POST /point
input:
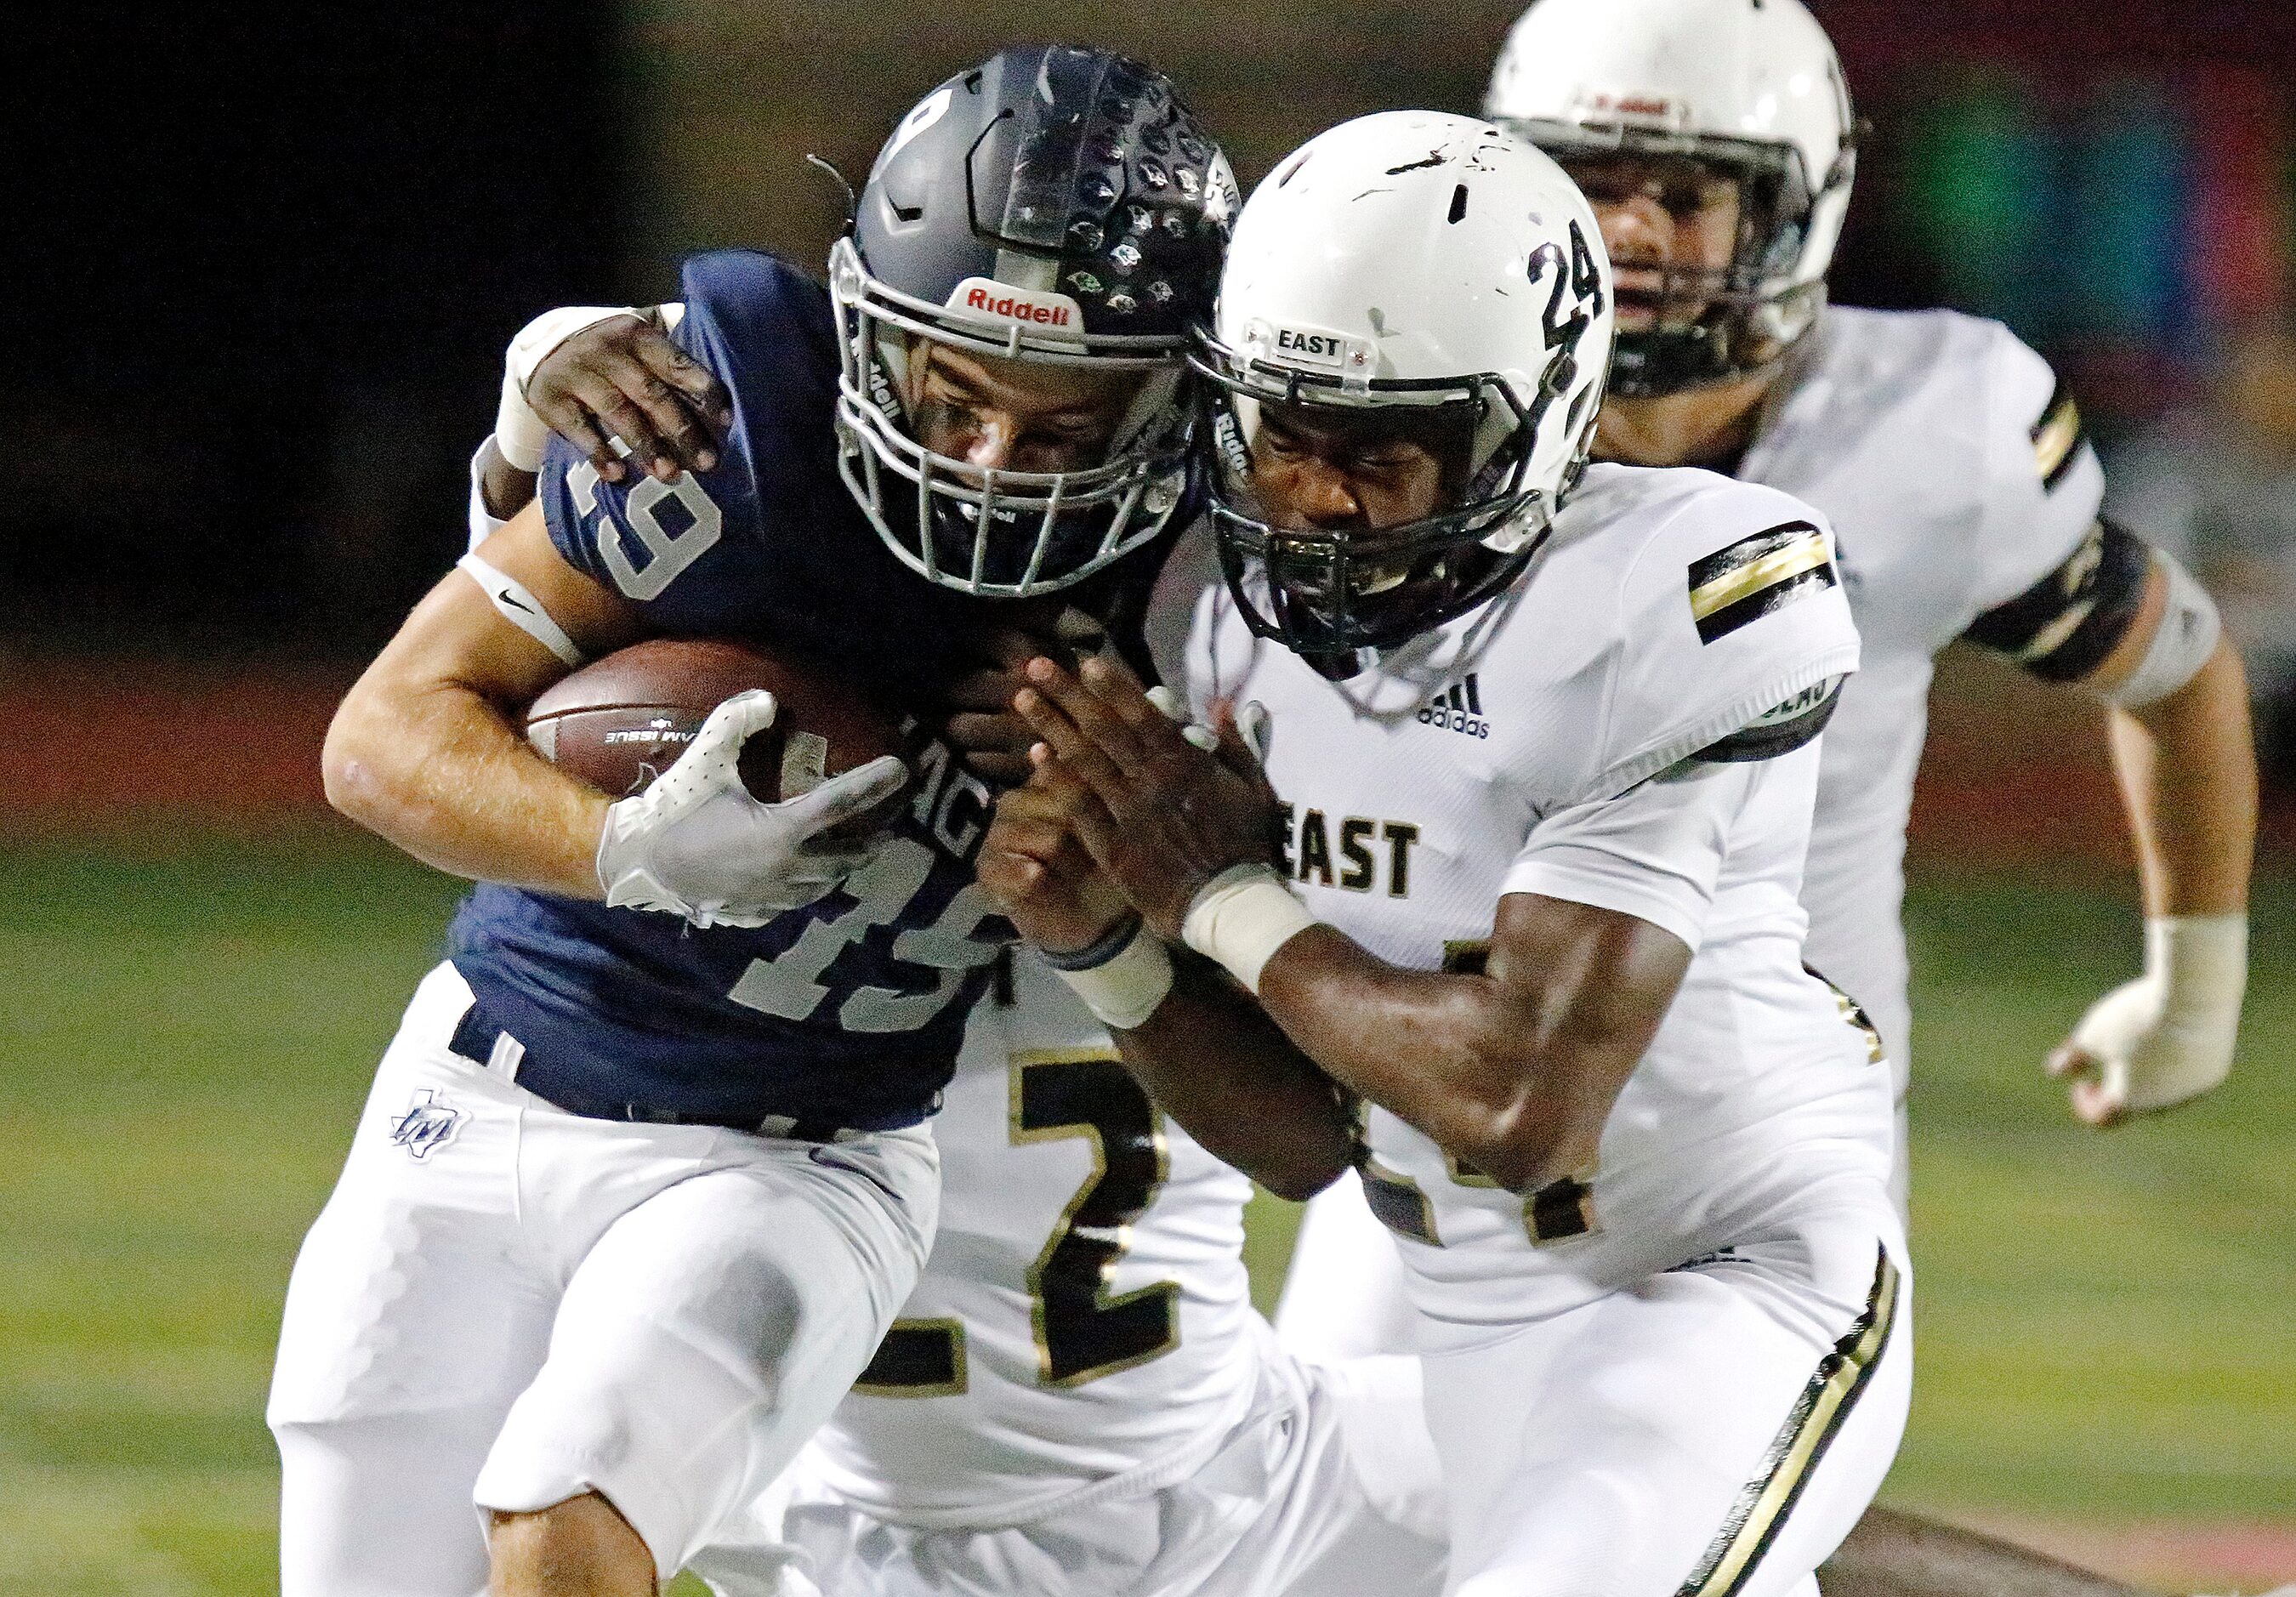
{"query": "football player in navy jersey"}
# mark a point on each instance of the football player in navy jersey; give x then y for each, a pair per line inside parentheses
(643, 1178)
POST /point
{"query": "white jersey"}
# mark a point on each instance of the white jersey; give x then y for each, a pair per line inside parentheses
(1512, 751)
(1955, 475)
(1085, 1313)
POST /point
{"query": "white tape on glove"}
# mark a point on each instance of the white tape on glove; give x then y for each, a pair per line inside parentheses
(696, 844)
(2167, 1035)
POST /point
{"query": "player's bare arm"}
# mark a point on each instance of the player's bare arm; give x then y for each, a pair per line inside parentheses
(426, 750)
(2186, 763)
(2122, 625)
(1205, 1052)
(1512, 1069)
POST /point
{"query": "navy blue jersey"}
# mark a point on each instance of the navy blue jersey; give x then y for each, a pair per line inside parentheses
(852, 1009)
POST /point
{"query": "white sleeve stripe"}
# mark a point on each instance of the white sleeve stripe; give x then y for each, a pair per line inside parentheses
(520, 609)
(484, 522)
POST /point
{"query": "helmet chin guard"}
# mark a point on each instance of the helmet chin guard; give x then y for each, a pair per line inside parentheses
(1053, 207)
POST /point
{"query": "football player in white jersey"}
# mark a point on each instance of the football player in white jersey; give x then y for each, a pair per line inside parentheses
(1715, 140)
(1546, 744)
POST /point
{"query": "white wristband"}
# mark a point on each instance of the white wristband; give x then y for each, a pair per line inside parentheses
(1124, 989)
(2201, 964)
(1239, 918)
(519, 432)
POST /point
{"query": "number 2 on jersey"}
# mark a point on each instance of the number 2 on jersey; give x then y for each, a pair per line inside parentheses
(1083, 1331)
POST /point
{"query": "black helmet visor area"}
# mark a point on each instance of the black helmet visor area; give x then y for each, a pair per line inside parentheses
(1326, 591)
(1706, 324)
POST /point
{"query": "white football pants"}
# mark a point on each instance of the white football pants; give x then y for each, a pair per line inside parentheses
(1714, 1430)
(506, 1304)
(1327, 1486)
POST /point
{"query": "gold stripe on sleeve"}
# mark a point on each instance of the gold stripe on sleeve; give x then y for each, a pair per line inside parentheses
(1804, 553)
(2055, 437)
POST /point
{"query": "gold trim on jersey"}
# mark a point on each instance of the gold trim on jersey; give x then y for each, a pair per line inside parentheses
(1558, 1211)
(2057, 437)
(1561, 1210)
(1854, 1015)
(1398, 1202)
(1466, 956)
(892, 1352)
(1761, 1511)
(1757, 575)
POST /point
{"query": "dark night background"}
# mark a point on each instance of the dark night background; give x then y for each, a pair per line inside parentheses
(259, 263)
(262, 260)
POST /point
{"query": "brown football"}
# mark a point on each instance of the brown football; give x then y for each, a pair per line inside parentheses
(619, 722)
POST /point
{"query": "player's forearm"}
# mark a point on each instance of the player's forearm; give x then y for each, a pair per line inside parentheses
(1211, 1059)
(505, 489)
(440, 771)
(1519, 1090)
(2186, 765)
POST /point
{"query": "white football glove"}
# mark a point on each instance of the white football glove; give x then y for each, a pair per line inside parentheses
(696, 844)
(2167, 1035)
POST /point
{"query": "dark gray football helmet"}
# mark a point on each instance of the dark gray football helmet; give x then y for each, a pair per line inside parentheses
(1054, 204)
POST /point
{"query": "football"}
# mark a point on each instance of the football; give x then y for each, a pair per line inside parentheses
(619, 722)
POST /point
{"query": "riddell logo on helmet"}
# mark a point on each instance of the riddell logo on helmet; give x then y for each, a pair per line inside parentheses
(1001, 302)
(1631, 105)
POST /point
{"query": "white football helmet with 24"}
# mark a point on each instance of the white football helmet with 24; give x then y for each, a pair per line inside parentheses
(1409, 260)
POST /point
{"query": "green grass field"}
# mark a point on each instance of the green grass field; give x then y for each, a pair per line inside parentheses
(2107, 1324)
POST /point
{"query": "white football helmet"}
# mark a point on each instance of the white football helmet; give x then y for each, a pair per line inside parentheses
(1749, 88)
(1440, 270)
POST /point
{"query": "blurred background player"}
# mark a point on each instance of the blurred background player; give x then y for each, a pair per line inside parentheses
(2214, 483)
(1717, 142)
(642, 1180)
(1638, 1156)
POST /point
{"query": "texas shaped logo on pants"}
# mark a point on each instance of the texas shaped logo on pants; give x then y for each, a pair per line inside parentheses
(428, 1123)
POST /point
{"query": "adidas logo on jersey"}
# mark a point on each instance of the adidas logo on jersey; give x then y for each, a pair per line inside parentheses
(1460, 710)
